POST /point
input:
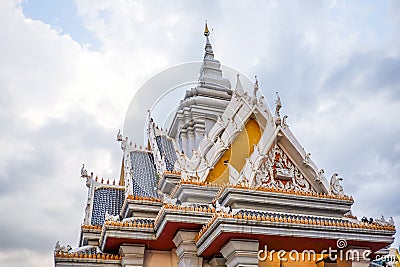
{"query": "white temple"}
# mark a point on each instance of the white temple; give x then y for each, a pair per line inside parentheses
(228, 185)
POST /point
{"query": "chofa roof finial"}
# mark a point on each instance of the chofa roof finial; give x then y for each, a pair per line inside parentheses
(255, 87)
(278, 106)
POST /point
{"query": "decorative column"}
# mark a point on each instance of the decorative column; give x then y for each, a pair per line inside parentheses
(354, 257)
(132, 255)
(241, 253)
(191, 141)
(197, 137)
(199, 130)
(217, 262)
(186, 249)
(184, 141)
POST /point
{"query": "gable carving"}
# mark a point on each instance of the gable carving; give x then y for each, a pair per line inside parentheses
(278, 171)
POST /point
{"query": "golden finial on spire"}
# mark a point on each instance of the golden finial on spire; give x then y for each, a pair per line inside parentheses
(206, 31)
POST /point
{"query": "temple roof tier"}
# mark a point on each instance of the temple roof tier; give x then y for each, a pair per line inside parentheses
(282, 231)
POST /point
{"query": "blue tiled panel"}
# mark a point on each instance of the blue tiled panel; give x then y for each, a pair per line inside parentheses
(143, 221)
(88, 251)
(106, 199)
(167, 149)
(144, 174)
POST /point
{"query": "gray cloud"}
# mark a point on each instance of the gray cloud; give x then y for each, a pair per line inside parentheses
(364, 72)
(44, 185)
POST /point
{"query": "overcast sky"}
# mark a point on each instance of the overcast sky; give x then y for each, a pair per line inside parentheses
(69, 69)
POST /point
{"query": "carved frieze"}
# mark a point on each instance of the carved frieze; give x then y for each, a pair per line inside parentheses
(278, 171)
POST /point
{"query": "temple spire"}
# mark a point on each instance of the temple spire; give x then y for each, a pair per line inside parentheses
(211, 72)
(209, 54)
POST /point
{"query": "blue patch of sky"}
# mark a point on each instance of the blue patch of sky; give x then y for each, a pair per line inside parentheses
(63, 16)
(375, 19)
(364, 17)
(378, 20)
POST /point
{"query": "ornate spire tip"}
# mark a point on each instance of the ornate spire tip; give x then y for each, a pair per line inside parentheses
(206, 31)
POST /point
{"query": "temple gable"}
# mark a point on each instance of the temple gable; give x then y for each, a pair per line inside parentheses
(277, 170)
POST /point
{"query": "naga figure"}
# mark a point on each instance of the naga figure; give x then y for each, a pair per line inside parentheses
(307, 159)
(220, 208)
(119, 136)
(334, 187)
(84, 173)
(321, 175)
(59, 248)
(284, 123)
(234, 175)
